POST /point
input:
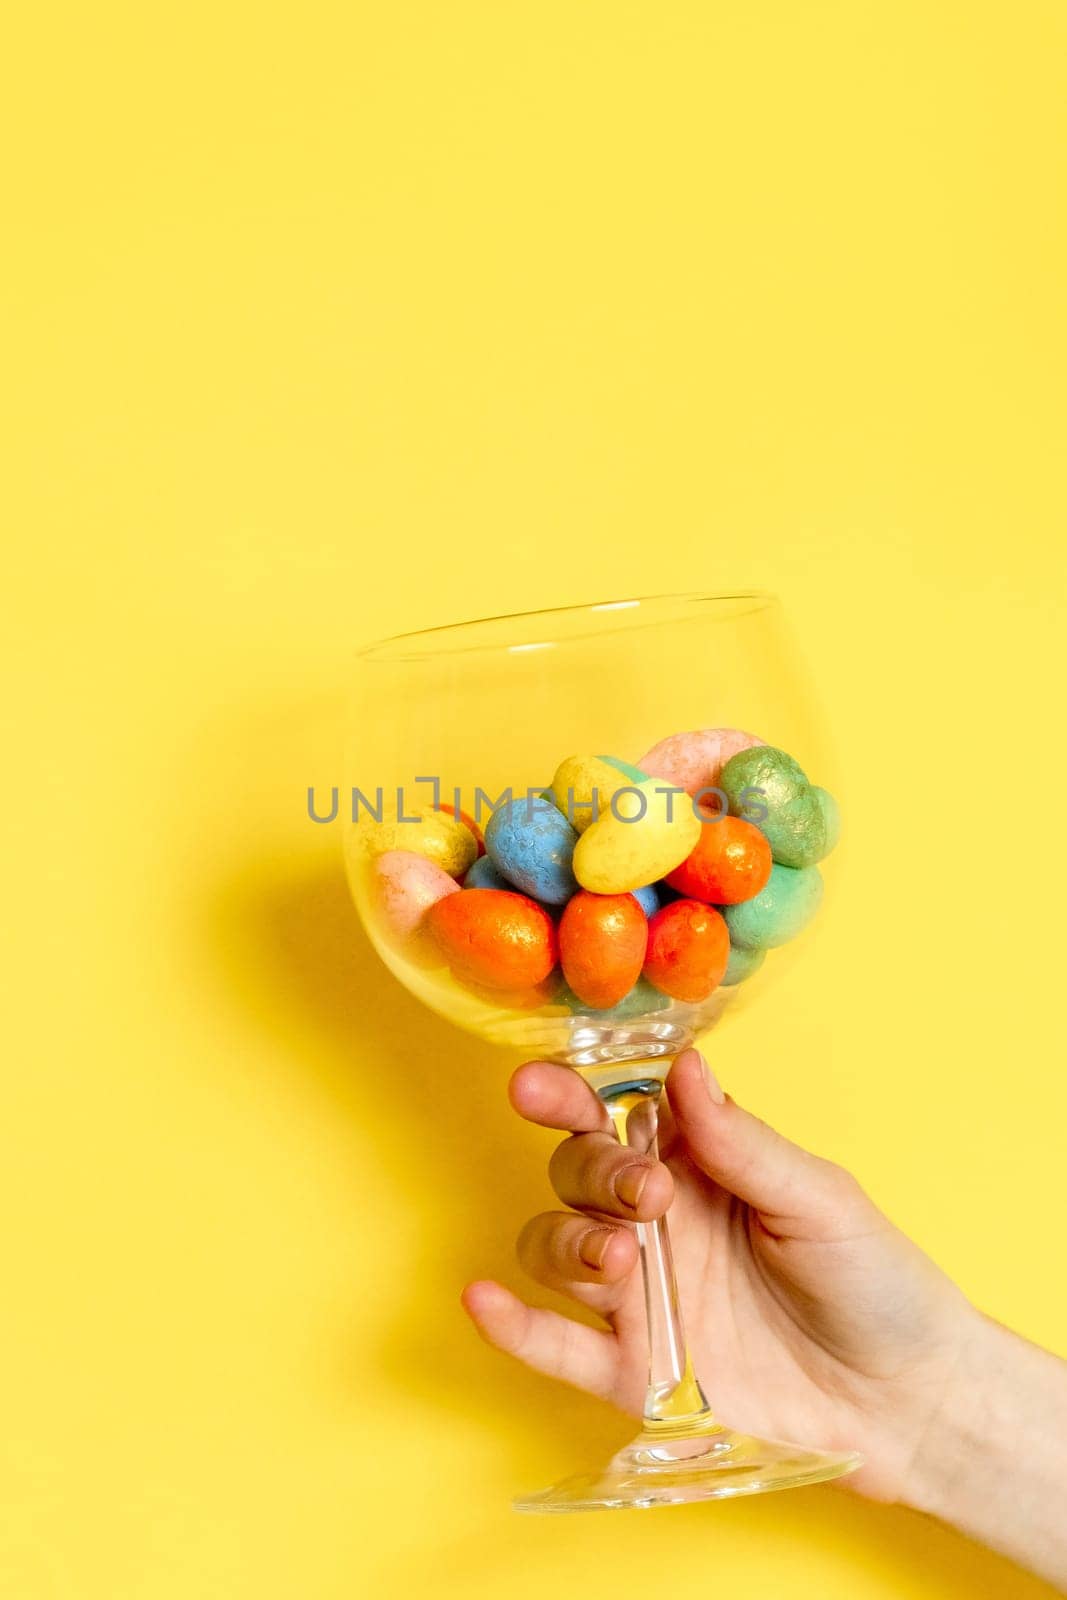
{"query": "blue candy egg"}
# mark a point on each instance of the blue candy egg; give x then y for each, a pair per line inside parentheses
(647, 898)
(483, 875)
(532, 844)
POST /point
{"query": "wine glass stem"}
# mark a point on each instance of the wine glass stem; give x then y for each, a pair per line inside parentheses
(675, 1401)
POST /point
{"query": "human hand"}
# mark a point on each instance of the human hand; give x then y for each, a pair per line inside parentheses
(810, 1316)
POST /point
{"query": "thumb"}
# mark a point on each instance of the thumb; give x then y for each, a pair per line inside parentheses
(749, 1159)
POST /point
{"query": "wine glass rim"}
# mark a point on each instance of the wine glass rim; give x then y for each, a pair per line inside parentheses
(421, 641)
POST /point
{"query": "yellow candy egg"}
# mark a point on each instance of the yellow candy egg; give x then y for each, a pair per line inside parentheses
(449, 844)
(646, 832)
(577, 780)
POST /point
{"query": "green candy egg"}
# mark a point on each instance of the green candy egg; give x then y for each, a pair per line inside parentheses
(779, 912)
(766, 786)
(742, 964)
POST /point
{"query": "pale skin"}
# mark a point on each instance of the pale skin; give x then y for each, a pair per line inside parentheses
(810, 1316)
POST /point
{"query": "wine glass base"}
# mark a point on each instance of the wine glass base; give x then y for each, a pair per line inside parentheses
(663, 1471)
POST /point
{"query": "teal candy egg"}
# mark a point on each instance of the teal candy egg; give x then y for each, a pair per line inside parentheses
(641, 999)
(831, 820)
(532, 844)
(801, 822)
(779, 912)
(742, 964)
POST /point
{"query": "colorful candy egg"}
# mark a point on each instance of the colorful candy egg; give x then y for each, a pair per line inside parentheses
(582, 789)
(631, 773)
(532, 844)
(404, 885)
(602, 941)
(831, 821)
(648, 830)
(688, 950)
(694, 761)
(532, 998)
(440, 838)
(483, 875)
(779, 912)
(494, 938)
(730, 862)
(742, 964)
(468, 822)
(768, 787)
(648, 898)
(642, 1000)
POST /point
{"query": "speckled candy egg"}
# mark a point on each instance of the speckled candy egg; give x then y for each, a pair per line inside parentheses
(468, 822)
(582, 783)
(781, 911)
(642, 1000)
(647, 832)
(688, 949)
(421, 829)
(769, 788)
(494, 938)
(742, 964)
(602, 941)
(483, 875)
(531, 842)
(532, 998)
(631, 773)
(404, 885)
(831, 822)
(694, 761)
(730, 862)
(648, 898)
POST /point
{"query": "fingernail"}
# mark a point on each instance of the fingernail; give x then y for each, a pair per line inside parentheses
(592, 1247)
(629, 1184)
(714, 1088)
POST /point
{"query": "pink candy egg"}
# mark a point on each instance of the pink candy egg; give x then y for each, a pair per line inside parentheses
(694, 761)
(404, 885)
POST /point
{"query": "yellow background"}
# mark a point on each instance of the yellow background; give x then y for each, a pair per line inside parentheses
(331, 320)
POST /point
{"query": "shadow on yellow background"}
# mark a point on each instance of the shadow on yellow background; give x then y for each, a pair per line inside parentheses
(430, 1101)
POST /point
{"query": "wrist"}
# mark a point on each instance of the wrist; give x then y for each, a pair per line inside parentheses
(990, 1462)
(950, 1450)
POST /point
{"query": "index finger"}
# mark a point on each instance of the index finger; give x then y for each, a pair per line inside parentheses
(556, 1097)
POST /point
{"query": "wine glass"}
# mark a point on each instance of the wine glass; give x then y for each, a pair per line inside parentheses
(447, 722)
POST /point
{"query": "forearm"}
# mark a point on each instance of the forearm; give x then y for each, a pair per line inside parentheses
(994, 1463)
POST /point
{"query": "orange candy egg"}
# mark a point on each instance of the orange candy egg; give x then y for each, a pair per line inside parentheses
(602, 941)
(493, 938)
(730, 862)
(688, 948)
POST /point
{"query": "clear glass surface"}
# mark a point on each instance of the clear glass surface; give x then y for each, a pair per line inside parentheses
(488, 706)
